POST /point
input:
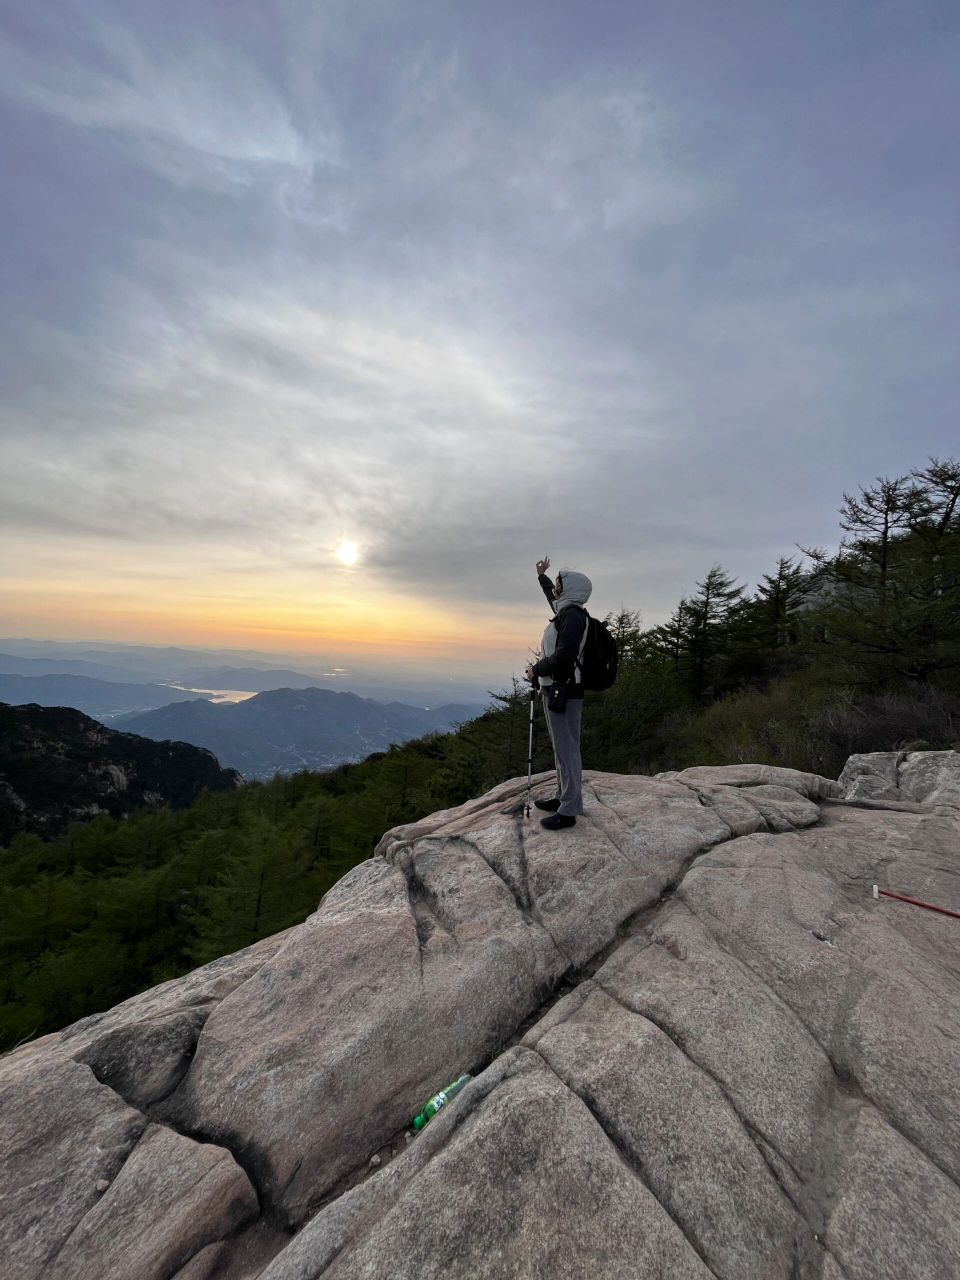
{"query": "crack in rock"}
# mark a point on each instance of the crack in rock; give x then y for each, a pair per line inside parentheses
(842, 1072)
(627, 1158)
(152, 1110)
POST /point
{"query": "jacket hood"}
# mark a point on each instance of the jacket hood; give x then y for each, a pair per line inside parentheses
(577, 589)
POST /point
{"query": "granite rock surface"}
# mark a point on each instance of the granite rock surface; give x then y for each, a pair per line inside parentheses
(700, 1047)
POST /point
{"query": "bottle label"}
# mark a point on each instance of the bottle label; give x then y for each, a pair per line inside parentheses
(439, 1100)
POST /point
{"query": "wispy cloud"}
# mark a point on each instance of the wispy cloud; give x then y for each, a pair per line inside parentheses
(200, 115)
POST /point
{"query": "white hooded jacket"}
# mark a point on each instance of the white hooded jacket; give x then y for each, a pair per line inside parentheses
(564, 638)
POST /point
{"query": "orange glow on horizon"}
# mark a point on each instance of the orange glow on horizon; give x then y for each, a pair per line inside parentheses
(336, 614)
(387, 630)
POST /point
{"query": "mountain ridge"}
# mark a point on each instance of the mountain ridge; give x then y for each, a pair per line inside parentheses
(14, 665)
(58, 765)
(103, 699)
(252, 679)
(287, 730)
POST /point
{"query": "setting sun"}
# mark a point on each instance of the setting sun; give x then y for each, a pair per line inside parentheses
(347, 553)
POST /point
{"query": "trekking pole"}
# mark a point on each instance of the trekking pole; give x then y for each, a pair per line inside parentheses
(526, 807)
(914, 902)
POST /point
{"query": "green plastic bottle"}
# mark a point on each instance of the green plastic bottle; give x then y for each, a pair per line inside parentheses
(439, 1100)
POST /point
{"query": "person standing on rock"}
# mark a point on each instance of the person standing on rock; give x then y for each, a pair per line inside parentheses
(558, 675)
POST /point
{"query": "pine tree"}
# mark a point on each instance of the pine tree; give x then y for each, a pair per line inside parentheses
(931, 578)
(712, 612)
(779, 596)
(875, 518)
(626, 631)
(671, 640)
(889, 600)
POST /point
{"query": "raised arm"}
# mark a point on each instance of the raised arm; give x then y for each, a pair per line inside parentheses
(545, 583)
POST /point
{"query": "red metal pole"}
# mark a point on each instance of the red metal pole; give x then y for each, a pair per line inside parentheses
(914, 902)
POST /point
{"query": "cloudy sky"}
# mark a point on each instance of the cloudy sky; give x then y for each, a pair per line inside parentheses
(644, 286)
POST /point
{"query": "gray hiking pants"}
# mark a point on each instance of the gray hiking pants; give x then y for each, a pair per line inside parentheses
(564, 730)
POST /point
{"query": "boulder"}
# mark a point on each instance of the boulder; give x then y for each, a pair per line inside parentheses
(144, 1061)
(171, 1198)
(929, 778)
(89, 1190)
(871, 776)
(810, 785)
(331, 1045)
(871, 981)
(63, 1137)
(769, 1051)
(685, 1137)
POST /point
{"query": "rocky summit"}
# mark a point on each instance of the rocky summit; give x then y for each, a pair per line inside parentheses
(701, 1047)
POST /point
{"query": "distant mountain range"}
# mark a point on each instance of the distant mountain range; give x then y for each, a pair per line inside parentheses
(284, 730)
(220, 676)
(251, 679)
(102, 699)
(131, 662)
(263, 679)
(58, 765)
(12, 664)
(234, 669)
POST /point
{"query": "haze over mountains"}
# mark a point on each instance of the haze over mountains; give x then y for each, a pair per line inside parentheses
(253, 679)
(284, 730)
(15, 665)
(223, 668)
(287, 723)
(102, 699)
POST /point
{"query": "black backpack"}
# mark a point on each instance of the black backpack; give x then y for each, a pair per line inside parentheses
(600, 656)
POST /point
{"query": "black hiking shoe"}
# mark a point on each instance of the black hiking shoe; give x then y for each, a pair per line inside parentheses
(548, 806)
(558, 822)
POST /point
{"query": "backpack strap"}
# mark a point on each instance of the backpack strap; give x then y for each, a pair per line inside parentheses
(578, 661)
(578, 665)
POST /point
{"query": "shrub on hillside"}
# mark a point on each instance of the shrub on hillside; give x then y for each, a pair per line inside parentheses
(770, 726)
(800, 723)
(898, 721)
